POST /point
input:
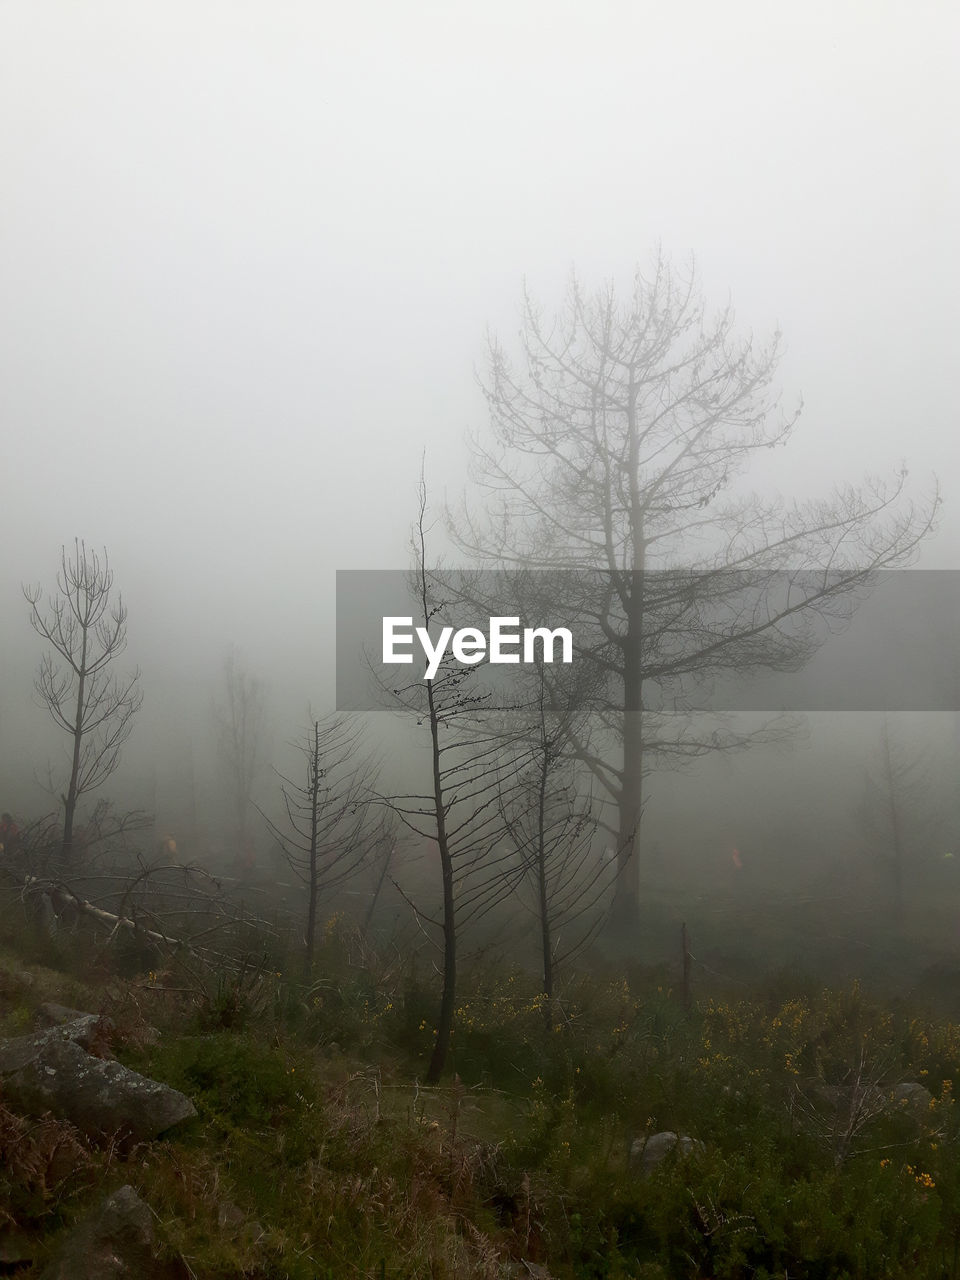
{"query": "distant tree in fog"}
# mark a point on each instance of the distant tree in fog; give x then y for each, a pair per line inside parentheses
(616, 444)
(561, 876)
(328, 829)
(77, 683)
(899, 814)
(240, 720)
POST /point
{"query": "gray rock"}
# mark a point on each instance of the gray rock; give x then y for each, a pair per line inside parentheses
(116, 1242)
(647, 1153)
(51, 1071)
(913, 1097)
(84, 1029)
(870, 1099)
(59, 1015)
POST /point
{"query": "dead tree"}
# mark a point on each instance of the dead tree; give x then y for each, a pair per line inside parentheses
(240, 725)
(460, 811)
(329, 828)
(616, 444)
(76, 682)
(174, 909)
(382, 862)
(899, 814)
(563, 877)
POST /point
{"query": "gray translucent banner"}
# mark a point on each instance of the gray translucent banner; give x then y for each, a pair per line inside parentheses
(720, 641)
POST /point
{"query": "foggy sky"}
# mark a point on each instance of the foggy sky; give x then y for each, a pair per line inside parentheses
(249, 252)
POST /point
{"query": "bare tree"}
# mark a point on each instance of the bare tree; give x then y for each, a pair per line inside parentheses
(240, 724)
(616, 447)
(328, 831)
(76, 681)
(563, 877)
(460, 813)
(382, 861)
(899, 815)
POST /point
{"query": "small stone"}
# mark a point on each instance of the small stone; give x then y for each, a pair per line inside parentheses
(912, 1096)
(647, 1153)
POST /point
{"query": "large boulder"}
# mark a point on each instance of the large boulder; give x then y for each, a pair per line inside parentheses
(647, 1153)
(116, 1242)
(52, 1071)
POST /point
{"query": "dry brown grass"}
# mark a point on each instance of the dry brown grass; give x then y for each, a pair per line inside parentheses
(43, 1162)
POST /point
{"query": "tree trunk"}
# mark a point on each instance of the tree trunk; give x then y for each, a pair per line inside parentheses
(314, 801)
(445, 1022)
(627, 893)
(368, 918)
(542, 889)
(70, 800)
(895, 826)
(626, 903)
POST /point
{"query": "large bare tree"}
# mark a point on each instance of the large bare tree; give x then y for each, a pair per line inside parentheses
(617, 442)
(87, 631)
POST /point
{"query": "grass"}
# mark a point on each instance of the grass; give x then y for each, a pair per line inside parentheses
(317, 1152)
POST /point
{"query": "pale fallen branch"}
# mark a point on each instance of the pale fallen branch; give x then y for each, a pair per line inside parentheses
(62, 896)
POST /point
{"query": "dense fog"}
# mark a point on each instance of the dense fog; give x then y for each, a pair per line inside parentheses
(479, 619)
(249, 262)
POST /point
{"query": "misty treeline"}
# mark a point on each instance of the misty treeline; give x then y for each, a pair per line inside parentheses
(612, 474)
